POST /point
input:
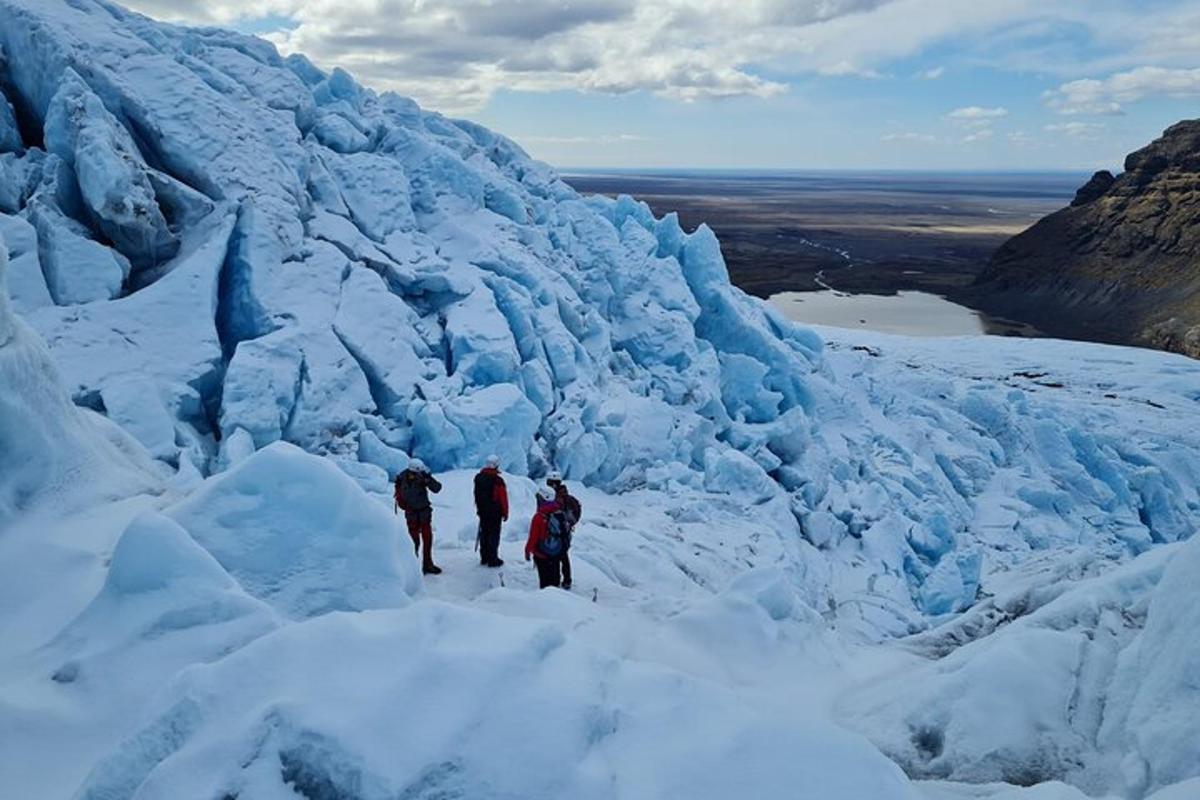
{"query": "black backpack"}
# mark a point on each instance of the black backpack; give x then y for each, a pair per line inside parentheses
(558, 535)
(410, 491)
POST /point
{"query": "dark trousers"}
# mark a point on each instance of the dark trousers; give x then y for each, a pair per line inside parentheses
(549, 570)
(489, 539)
(420, 528)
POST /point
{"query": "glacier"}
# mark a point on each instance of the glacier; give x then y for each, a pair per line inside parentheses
(242, 292)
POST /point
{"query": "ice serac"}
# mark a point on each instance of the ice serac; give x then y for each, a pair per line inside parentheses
(110, 171)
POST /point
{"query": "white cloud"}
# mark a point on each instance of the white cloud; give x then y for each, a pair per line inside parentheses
(845, 68)
(977, 121)
(1106, 96)
(455, 54)
(1077, 129)
(909, 136)
(976, 114)
(932, 74)
(1021, 139)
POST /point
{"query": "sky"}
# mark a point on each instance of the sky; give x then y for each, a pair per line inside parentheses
(775, 84)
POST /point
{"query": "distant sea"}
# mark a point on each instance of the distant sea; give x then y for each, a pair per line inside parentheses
(1033, 184)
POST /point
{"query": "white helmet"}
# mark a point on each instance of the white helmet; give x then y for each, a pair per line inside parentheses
(546, 493)
(417, 465)
(493, 462)
(555, 475)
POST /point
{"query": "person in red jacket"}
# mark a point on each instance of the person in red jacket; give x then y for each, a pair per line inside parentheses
(491, 506)
(571, 507)
(548, 531)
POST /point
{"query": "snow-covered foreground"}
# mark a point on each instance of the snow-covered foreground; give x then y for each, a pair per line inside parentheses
(245, 292)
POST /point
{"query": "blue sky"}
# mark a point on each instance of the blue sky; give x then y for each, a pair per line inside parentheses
(799, 84)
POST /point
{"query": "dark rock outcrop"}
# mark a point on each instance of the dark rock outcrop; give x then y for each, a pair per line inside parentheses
(1094, 189)
(1121, 263)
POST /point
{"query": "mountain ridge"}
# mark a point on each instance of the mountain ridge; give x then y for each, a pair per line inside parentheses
(1122, 262)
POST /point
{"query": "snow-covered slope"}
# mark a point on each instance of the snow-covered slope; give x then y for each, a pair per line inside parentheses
(281, 286)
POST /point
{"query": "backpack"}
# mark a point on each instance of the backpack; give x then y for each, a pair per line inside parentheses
(558, 535)
(410, 492)
(573, 510)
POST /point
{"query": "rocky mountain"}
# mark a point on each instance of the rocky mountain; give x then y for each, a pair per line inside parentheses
(1122, 262)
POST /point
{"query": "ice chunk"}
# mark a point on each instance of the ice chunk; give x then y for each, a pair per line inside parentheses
(236, 447)
(134, 403)
(100, 341)
(77, 269)
(19, 178)
(299, 534)
(496, 420)
(375, 189)
(18, 235)
(10, 134)
(338, 134)
(381, 331)
(257, 69)
(822, 528)
(734, 472)
(110, 171)
(334, 394)
(261, 386)
(373, 450)
(250, 301)
(742, 390)
(26, 284)
(952, 584)
(482, 349)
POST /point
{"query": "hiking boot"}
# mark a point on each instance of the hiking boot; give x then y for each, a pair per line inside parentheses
(499, 562)
(431, 569)
(566, 585)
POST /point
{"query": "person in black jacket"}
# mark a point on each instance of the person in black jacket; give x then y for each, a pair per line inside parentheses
(572, 510)
(491, 506)
(412, 495)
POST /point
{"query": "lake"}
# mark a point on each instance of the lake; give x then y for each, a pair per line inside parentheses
(910, 313)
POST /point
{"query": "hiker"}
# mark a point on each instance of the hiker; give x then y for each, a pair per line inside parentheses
(491, 506)
(412, 494)
(547, 539)
(573, 510)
